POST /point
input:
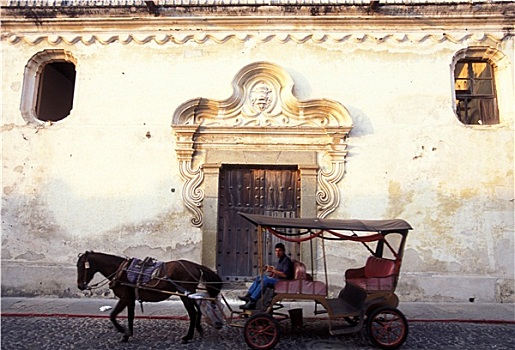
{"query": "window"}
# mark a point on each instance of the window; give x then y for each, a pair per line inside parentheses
(55, 95)
(48, 86)
(476, 102)
(475, 71)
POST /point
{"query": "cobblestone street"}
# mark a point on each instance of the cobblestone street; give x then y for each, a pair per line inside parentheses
(19, 333)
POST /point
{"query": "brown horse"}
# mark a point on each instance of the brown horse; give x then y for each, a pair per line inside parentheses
(181, 277)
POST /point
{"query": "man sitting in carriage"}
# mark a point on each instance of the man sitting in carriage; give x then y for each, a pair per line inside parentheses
(283, 270)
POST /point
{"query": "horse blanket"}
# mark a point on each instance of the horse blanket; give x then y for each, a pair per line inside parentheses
(140, 272)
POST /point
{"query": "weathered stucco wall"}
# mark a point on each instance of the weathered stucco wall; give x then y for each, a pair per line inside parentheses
(106, 177)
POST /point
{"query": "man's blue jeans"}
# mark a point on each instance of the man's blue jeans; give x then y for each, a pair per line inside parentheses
(255, 288)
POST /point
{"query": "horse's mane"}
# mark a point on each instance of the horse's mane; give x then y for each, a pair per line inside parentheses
(106, 255)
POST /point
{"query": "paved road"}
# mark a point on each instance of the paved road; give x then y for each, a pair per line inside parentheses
(19, 333)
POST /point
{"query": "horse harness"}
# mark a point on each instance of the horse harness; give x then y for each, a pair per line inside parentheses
(139, 273)
(87, 267)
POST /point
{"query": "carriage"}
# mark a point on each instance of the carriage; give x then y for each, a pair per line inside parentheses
(368, 299)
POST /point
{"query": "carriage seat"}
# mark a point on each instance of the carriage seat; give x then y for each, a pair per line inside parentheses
(378, 274)
(302, 283)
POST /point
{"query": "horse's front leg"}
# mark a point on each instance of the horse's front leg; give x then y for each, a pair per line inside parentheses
(120, 306)
(192, 313)
(130, 320)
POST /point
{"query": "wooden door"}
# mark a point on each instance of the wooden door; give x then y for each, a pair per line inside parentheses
(268, 190)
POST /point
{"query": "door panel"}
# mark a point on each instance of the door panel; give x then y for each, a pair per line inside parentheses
(270, 190)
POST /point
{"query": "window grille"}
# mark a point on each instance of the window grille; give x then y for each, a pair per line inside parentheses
(474, 85)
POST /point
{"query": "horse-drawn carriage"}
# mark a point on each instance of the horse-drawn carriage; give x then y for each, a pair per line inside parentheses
(367, 300)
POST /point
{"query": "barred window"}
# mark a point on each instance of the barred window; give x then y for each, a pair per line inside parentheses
(482, 88)
(476, 102)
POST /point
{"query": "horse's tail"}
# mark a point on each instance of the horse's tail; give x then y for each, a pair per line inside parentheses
(212, 281)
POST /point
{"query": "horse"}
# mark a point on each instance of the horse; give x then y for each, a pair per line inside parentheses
(180, 277)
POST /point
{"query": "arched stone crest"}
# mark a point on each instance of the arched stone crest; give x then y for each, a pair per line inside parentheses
(260, 122)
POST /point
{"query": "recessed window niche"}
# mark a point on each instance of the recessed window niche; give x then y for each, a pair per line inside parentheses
(48, 86)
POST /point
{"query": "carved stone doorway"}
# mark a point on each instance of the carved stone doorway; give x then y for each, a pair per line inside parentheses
(262, 123)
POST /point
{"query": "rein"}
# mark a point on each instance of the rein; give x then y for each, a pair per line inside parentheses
(103, 282)
(189, 272)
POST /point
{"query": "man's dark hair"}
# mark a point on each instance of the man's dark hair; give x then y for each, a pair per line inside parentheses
(280, 246)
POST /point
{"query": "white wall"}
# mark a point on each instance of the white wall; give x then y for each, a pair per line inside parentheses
(106, 177)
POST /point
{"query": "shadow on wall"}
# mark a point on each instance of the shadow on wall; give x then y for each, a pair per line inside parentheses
(362, 123)
(302, 90)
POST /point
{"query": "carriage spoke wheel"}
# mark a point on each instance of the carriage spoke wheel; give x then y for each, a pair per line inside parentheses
(387, 327)
(261, 331)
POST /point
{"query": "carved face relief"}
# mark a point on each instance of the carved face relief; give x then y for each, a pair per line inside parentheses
(261, 97)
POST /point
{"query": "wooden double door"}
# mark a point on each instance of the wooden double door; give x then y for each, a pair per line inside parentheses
(267, 190)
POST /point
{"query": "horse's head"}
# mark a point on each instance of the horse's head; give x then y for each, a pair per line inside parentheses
(84, 271)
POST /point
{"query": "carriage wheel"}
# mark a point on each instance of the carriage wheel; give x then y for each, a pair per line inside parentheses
(261, 331)
(387, 327)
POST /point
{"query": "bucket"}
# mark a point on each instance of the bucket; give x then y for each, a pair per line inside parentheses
(296, 318)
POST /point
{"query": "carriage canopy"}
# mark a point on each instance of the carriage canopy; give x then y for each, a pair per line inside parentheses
(392, 225)
(306, 229)
(310, 228)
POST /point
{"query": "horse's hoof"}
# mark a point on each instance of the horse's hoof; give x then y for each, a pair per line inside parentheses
(184, 341)
(125, 339)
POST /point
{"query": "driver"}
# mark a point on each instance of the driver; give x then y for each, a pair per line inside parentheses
(283, 270)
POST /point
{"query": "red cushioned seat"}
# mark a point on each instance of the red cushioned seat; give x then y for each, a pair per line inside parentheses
(378, 274)
(301, 284)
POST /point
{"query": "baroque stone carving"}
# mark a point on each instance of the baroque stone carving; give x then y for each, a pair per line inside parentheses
(328, 196)
(262, 115)
(192, 194)
(261, 97)
(220, 38)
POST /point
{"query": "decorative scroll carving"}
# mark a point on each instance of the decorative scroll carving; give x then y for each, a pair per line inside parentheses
(192, 194)
(465, 38)
(259, 101)
(261, 116)
(328, 195)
